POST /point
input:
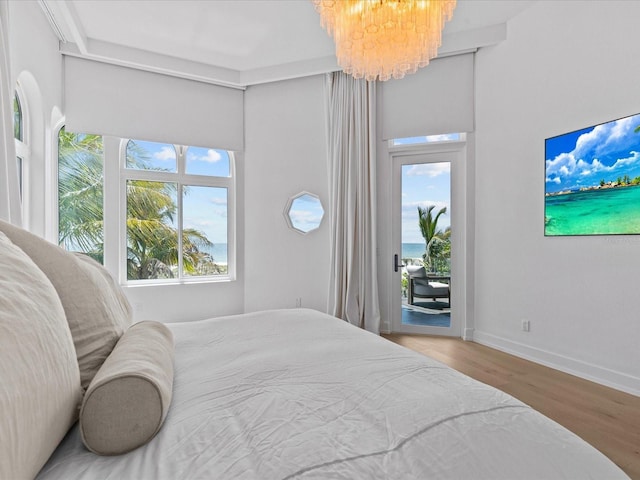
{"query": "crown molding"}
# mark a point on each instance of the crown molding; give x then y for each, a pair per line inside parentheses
(67, 26)
(152, 62)
(65, 23)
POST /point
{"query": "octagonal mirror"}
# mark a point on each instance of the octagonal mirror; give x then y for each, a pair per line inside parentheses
(304, 212)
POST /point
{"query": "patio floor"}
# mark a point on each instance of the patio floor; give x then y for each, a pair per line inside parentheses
(427, 314)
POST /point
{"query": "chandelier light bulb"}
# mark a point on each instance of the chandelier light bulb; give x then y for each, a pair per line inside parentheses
(383, 39)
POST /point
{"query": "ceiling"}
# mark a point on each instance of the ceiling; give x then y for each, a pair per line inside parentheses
(236, 42)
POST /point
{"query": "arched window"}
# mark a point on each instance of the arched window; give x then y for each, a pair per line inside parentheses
(17, 118)
(22, 152)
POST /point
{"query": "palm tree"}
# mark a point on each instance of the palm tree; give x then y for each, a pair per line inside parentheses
(436, 240)
(152, 240)
(152, 237)
(80, 193)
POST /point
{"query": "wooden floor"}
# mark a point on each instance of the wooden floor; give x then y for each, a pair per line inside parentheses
(608, 419)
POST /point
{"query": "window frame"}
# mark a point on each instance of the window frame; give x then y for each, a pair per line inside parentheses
(115, 176)
(23, 152)
(181, 178)
(434, 139)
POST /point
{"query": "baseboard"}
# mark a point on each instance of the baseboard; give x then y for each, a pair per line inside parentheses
(385, 327)
(610, 378)
(467, 334)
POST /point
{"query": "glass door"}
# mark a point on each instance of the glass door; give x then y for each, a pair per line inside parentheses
(426, 243)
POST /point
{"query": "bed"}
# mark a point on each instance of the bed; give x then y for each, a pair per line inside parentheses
(298, 394)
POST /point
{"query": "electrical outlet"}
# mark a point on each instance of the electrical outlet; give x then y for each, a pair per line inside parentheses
(526, 326)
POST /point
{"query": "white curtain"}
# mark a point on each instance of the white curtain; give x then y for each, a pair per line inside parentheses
(10, 209)
(353, 291)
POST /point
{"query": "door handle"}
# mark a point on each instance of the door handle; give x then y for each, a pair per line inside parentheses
(396, 265)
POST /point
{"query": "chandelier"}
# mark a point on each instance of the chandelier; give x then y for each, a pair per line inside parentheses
(380, 39)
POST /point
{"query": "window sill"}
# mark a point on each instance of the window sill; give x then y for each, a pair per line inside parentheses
(174, 281)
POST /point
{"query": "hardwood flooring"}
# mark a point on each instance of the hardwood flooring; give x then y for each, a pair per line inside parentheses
(606, 418)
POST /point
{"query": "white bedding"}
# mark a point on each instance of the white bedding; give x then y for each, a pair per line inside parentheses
(298, 394)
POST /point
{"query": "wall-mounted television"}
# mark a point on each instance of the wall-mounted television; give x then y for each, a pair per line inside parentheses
(592, 180)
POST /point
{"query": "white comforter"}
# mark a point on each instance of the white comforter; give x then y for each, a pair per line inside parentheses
(298, 394)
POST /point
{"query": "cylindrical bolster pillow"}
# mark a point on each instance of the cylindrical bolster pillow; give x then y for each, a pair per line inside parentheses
(128, 399)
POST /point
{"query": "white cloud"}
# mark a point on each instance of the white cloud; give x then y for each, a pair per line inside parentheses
(212, 156)
(625, 162)
(166, 153)
(305, 219)
(429, 169)
(446, 137)
(588, 141)
(218, 201)
(304, 216)
(605, 138)
(565, 165)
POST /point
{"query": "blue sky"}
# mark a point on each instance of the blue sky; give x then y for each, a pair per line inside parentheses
(445, 137)
(306, 212)
(205, 208)
(424, 184)
(584, 157)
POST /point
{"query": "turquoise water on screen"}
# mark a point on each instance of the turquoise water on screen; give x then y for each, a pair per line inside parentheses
(594, 212)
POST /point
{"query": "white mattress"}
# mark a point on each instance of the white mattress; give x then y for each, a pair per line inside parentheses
(298, 394)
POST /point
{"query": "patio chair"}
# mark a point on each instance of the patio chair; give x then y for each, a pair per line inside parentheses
(423, 285)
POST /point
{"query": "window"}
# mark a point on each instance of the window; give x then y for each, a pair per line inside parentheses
(81, 193)
(177, 200)
(17, 118)
(18, 133)
(447, 137)
(173, 199)
(304, 212)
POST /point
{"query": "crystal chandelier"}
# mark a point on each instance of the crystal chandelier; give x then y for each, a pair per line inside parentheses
(380, 39)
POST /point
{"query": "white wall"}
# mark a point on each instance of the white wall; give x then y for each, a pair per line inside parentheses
(35, 61)
(181, 303)
(564, 66)
(37, 64)
(285, 153)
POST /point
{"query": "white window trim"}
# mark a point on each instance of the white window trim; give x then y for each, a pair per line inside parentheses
(430, 140)
(459, 270)
(182, 178)
(114, 208)
(23, 151)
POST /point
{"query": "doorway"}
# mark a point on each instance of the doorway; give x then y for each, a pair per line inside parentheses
(428, 212)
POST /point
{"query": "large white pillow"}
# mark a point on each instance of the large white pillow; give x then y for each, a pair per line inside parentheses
(96, 308)
(39, 376)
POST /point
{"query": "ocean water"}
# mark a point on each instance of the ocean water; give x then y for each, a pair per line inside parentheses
(413, 250)
(593, 212)
(409, 250)
(219, 252)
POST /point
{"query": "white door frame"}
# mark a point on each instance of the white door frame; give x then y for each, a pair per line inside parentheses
(454, 152)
